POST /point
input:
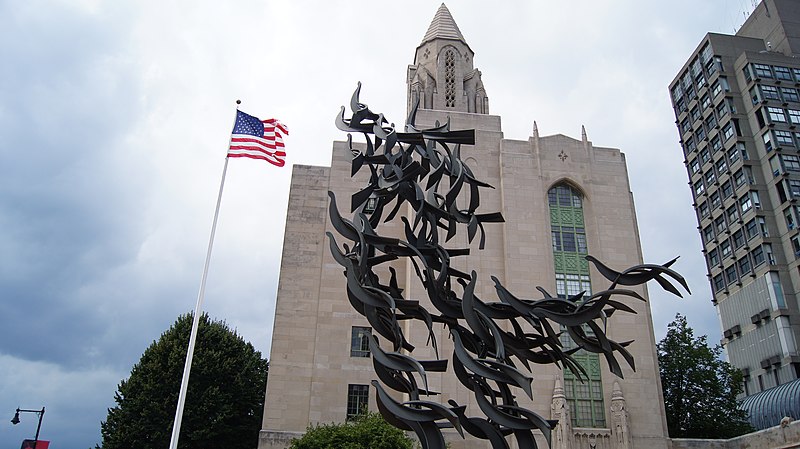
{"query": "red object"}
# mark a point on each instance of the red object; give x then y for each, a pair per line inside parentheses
(29, 444)
(258, 139)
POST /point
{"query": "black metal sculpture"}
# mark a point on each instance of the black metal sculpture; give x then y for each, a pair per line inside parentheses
(411, 168)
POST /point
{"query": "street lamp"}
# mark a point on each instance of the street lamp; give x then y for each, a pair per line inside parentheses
(15, 421)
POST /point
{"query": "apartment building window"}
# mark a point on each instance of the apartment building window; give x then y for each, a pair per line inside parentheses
(711, 177)
(705, 156)
(727, 131)
(699, 187)
(677, 92)
(762, 71)
(794, 116)
(732, 213)
(758, 256)
(722, 109)
(690, 145)
(755, 95)
(748, 73)
(727, 189)
(770, 93)
(775, 165)
(748, 173)
(720, 224)
(745, 203)
(751, 229)
(762, 226)
(796, 74)
(708, 234)
(715, 201)
(694, 166)
(725, 249)
(722, 165)
(783, 73)
(738, 239)
(796, 246)
(791, 162)
(767, 139)
(685, 127)
(739, 178)
(716, 143)
(711, 121)
(719, 283)
(784, 138)
(790, 94)
(716, 89)
(700, 133)
(794, 188)
(730, 275)
(695, 113)
(703, 210)
(733, 155)
(713, 257)
(744, 265)
(705, 102)
(359, 341)
(776, 114)
(357, 400)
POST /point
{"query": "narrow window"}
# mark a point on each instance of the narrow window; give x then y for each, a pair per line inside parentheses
(572, 278)
(450, 78)
(359, 341)
(357, 400)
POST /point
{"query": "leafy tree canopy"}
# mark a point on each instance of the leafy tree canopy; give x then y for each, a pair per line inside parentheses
(368, 431)
(224, 401)
(700, 389)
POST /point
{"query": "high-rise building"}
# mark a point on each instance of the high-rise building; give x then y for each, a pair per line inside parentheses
(737, 108)
(562, 198)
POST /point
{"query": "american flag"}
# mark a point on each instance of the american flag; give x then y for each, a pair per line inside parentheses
(258, 139)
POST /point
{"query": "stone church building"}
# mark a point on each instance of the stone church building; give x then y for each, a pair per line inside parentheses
(562, 198)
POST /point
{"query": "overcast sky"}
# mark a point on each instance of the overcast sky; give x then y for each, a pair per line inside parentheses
(114, 122)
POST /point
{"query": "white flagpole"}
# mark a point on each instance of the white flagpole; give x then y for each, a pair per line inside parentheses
(187, 367)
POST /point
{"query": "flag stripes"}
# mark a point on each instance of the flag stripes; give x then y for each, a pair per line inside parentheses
(258, 139)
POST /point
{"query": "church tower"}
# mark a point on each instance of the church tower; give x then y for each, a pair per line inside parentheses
(442, 76)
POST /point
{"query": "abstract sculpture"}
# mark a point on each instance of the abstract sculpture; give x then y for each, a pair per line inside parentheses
(423, 169)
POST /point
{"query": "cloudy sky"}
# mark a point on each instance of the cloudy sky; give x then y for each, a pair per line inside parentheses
(114, 122)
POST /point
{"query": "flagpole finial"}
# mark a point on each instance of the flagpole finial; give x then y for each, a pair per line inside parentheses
(238, 101)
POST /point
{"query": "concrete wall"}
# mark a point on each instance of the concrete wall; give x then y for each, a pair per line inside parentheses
(784, 436)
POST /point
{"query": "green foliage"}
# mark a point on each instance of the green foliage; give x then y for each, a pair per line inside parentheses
(700, 389)
(224, 401)
(368, 431)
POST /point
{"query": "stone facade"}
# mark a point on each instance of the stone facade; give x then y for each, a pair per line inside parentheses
(311, 364)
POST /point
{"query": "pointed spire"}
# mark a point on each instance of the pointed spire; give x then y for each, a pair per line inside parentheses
(583, 134)
(558, 390)
(535, 130)
(443, 27)
(616, 392)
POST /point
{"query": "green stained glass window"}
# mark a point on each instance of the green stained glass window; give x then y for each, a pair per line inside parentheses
(572, 277)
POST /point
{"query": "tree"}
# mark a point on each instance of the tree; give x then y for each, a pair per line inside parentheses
(224, 401)
(700, 389)
(368, 431)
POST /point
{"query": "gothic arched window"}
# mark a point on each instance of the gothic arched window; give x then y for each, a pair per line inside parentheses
(572, 277)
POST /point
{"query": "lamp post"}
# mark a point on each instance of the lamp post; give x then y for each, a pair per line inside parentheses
(15, 421)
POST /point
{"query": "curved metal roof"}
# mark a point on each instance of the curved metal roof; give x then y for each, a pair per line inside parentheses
(767, 408)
